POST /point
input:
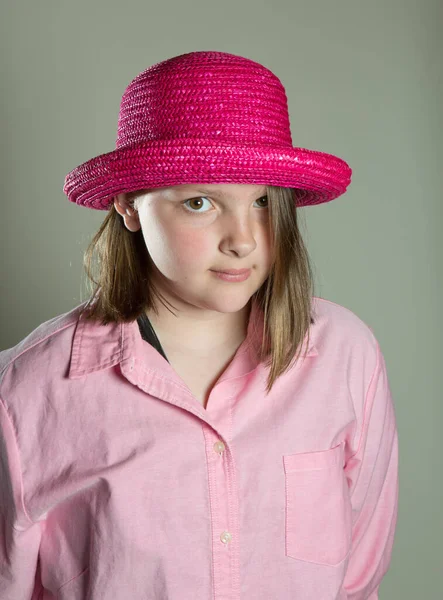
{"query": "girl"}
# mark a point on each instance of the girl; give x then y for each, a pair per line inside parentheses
(203, 427)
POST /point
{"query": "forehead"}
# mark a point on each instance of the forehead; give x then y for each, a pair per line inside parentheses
(222, 190)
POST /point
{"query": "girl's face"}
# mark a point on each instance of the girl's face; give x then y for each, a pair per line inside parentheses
(191, 230)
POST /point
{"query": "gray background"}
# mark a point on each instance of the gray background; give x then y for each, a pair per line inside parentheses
(364, 81)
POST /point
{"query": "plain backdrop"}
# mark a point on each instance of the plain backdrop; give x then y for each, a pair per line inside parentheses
(364, 82)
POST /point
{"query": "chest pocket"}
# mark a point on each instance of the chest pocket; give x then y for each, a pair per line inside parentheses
(318, 522)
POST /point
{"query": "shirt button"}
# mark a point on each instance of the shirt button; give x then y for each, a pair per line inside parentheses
(219, 446)
(226, 537)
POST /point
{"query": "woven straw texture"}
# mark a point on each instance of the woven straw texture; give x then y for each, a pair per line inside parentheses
(206, 117)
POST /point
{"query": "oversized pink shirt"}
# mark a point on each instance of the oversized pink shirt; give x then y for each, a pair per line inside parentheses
(116, 483)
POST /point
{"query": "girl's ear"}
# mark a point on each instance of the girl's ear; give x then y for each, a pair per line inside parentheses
(129, 214)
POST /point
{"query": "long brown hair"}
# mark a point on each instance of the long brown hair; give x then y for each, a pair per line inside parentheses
(123, 290)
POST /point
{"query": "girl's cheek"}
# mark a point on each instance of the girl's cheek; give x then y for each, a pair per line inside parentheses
(192, 246)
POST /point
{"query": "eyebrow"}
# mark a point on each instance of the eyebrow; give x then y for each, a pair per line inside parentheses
(219, 193)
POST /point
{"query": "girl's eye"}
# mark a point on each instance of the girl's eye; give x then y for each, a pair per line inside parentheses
(198, 201)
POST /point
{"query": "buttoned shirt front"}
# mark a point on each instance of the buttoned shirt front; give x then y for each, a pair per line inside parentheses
(117, 483)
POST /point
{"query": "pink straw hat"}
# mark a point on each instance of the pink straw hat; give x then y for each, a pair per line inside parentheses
(206, 117)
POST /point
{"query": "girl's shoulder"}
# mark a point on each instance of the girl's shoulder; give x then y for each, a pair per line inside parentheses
(339, 313)
(45, 332)
(337, 325)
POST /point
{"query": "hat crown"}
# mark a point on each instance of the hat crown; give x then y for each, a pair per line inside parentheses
(205, 95)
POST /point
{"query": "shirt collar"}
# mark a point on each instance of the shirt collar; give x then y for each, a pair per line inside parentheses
(96, 347)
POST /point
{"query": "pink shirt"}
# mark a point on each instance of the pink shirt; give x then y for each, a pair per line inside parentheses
(116, 483)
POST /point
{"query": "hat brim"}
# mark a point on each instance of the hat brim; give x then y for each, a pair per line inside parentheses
(319, 176)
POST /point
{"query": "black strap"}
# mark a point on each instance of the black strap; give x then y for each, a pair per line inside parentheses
(148, 334)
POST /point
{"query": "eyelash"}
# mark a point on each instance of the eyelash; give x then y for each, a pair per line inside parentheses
(195, 212)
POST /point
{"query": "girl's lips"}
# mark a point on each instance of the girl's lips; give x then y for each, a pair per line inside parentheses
(233, 271)
(230, 277)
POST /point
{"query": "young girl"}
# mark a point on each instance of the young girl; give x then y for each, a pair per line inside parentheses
(189, 433)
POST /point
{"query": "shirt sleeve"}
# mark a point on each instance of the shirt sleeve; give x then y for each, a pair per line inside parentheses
(19, 536)
(372, 475)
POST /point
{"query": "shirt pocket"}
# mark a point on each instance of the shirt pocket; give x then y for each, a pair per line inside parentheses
(318, 524)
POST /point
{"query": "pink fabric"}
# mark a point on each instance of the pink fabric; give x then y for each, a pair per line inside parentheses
(117, 483)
